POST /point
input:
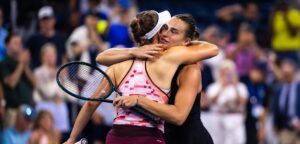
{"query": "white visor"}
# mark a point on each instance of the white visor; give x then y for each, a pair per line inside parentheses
(163, 18)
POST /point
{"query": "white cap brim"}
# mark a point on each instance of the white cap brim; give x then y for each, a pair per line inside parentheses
(163, 18)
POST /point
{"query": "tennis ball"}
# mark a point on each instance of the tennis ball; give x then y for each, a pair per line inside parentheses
(101, 26)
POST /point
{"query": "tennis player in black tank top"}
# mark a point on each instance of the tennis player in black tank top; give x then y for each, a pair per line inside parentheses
(192, 130)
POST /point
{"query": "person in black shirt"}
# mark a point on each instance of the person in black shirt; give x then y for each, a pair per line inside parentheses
(46, 34)
(257, 105)
(16, 76)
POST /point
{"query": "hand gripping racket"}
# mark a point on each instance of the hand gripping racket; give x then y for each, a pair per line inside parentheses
(75, 77)
(82, 141)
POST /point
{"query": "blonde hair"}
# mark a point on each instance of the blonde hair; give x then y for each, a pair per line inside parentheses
(227, 64)
(44, 49)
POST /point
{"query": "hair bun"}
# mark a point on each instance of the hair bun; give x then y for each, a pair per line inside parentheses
(143, 23)
(136, 27)
(196, 35)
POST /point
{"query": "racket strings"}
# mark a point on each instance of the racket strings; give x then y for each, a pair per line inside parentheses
(85, 81)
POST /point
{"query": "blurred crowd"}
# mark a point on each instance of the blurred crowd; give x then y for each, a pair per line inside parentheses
(251, 90)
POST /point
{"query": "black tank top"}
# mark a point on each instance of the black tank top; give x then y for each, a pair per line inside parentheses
(195, 111)
(192, 130)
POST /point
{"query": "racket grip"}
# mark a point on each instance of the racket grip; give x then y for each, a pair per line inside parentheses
(145, 113)
(106, 100)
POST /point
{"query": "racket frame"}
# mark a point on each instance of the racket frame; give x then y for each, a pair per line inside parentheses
(112, 89)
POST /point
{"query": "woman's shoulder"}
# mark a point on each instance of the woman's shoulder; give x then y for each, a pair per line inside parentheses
(190, 69)
(120, 69)
(123, 64)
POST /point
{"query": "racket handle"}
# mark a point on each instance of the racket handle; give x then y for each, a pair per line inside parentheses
(145, 113)
(106, 100)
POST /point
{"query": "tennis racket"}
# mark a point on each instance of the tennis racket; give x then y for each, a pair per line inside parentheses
(82, 141)
(87, 82)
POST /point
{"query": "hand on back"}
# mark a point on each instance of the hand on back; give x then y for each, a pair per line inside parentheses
(148, 51)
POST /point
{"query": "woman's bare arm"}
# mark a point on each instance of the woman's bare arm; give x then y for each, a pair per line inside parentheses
(189, 84)
(199, 50)
(116, 55)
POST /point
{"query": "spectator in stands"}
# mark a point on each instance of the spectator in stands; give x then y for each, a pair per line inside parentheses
(274, 70)
(228, 98)
(21, 132)
(285, 26)
(17, 78)
(257, 106)
(251, 14)
(46, 34)
(94, 6)
(87, 38)
(118, 33)
(214, 34)
(73, 21)
(287, 105)
(3, 34)
(43, 130)
(102, 24)
(232, 16)
(119, 7)
(51, 96)
(257, 20)
(244, 52)
(227, 18)
(63, 10)
(209, 67)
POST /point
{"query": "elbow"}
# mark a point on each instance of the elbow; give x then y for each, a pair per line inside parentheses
(179, 122)
(100, 59)
(179, 119)
(92, 105)
(214, 50)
